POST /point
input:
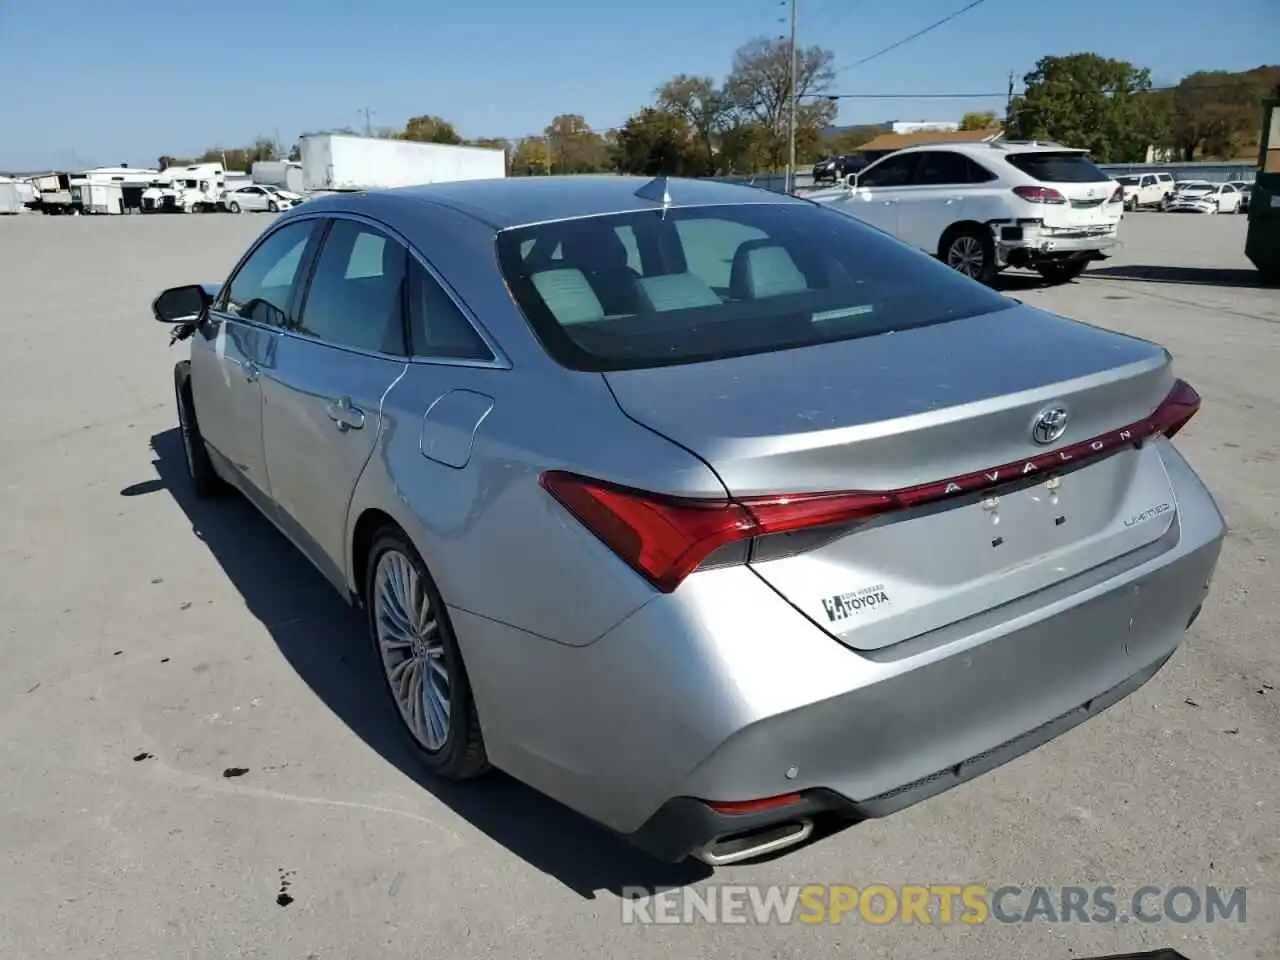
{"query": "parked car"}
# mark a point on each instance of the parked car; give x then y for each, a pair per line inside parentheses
(713, 525)
(984, 207)
(1205, 197)
(1146, 189)
(1245, 188)
(259, 197)
(835, 169)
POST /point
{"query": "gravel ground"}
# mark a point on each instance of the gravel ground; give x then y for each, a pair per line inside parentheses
(194, 763)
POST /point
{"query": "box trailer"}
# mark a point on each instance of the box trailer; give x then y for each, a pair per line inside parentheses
(342, 162)
(96, 197)
(285, 174)
(10, 197)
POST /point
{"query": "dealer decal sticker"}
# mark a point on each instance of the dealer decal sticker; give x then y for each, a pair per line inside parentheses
(845, 605)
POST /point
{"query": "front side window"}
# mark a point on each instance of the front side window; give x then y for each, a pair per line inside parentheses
(262, 289)
(356, 298)
(722, 281)
(890, 172)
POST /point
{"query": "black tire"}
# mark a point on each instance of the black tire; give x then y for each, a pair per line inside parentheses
(273, 207)
(233, 207)
(1064, 272)
(204, 479)
(971, 251)
(462, 755)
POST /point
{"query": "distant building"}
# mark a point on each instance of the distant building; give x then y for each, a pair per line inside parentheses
(924, 126)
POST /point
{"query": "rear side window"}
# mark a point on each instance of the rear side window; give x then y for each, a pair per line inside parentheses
(437, 327)
(357, 296)
(722, 281)
(1063, 167)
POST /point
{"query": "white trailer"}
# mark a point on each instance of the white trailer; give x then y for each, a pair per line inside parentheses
(97, 197)
(11, 198)
(285, 174)
(341, 162)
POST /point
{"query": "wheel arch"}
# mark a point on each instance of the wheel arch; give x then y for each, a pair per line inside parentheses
(366, 527)
(960, 226)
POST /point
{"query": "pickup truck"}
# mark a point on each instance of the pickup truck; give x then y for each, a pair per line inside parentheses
(1146, 189)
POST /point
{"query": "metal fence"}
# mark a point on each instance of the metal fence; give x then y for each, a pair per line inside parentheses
(1217, 172)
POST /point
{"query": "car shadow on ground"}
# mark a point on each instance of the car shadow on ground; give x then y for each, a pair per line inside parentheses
(1205, 276)
(324, 641)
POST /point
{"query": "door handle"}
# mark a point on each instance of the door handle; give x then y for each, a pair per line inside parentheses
(251, 370)
(344, 415)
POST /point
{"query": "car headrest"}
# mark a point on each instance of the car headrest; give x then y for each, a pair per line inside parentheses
(764, 268)
(568, 296)
(676, 291)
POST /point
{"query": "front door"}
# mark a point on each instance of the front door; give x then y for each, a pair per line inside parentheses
(880, 188)
(240, 341)
(322, 400)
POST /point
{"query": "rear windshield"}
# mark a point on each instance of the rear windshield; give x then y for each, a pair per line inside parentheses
(1058, 167)
(701, 283)
(1128, 181)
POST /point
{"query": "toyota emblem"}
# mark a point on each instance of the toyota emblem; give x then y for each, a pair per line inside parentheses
(1050, 424)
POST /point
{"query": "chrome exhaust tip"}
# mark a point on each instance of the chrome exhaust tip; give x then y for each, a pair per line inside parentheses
(757, 843)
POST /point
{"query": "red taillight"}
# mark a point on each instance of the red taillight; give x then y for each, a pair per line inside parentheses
(1118, 196)
(1040, 194)
(1178, 408)
(666, 538)
(733, 807)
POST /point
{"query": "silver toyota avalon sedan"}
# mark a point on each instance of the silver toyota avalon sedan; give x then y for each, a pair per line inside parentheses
(714, 514)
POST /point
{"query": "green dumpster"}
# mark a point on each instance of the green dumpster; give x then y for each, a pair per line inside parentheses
(1263, 243)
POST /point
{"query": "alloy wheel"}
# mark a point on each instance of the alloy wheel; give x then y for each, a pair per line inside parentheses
(966, 255)
(412, 651)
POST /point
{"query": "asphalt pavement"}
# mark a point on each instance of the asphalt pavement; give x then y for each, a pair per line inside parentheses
(195, 760)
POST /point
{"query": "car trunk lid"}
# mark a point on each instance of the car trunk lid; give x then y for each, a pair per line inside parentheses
(941, 420)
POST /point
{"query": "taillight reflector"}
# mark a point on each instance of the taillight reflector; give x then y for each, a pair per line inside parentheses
(733, 807)
(666, 538)
(1118, 196)
(1040, 194)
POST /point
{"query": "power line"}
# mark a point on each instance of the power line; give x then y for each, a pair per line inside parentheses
(919, 33)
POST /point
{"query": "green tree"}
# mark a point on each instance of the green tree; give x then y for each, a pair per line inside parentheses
(986, 120)
(531, 157)
(574, 146)
(1084, 100)
(654, 142)
(758, 89)
(430, 129)
(1215, 113)
(705, 110)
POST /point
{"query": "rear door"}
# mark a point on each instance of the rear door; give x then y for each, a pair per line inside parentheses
(1086, 190)
(322, 400)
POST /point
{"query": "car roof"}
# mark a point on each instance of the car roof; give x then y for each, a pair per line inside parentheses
(518, 201)
(988, 148)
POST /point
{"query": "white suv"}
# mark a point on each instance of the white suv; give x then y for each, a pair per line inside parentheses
(982, 207)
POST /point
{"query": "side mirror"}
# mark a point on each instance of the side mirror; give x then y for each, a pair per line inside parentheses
(851, 181)
(184, 304)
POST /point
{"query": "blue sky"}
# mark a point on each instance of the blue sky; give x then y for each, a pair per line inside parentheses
(85, 83)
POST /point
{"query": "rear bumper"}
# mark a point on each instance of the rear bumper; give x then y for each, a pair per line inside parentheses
(723, 692)
(1021, 245)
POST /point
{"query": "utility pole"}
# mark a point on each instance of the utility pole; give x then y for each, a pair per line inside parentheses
(368, 126)
(1008, 105)
(791, 114)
